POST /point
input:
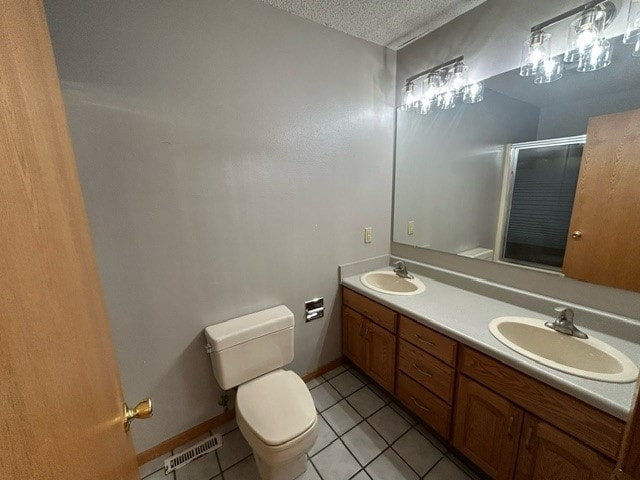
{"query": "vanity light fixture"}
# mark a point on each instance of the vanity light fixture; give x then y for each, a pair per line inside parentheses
(535, 51)
(431, 88)
(586, 46)
(409, 98)
(586, 30)
(442, 87)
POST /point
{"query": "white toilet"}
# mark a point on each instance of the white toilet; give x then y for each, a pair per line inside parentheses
(274, 409)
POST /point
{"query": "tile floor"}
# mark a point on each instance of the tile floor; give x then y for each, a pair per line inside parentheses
(363, 435)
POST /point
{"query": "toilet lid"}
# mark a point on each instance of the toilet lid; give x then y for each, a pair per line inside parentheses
(277, 406)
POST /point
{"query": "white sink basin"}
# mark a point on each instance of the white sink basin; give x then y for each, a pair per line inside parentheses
(590, 358)
(389, 282)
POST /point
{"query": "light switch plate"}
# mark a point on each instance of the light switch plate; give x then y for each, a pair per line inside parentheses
(368, 234)
(411, 227)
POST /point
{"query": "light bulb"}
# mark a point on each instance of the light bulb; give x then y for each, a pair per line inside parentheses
(585, 39)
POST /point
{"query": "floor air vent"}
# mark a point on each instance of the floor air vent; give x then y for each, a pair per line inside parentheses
(198, 450)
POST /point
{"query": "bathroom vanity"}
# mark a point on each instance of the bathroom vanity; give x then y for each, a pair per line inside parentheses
(511, 416)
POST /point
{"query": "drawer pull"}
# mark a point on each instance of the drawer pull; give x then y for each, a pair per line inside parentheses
(367, 337)
(428, 342)
(510, 429)
(422, 371)
(419, 405)
(527, 442)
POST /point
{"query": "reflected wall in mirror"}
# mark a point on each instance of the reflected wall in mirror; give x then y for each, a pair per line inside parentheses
(459, 188)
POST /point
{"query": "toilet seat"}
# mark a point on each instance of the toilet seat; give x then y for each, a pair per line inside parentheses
(276, 408)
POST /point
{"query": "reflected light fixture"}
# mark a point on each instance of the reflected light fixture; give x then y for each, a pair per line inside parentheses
(595, 57)
(549, 71)
(632, 33)
(587, 46)
(473, 93)
(443, 87)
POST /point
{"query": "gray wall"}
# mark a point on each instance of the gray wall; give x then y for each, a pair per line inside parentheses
(568, 119)
(449, 171)
(230, 156)
(490, 37)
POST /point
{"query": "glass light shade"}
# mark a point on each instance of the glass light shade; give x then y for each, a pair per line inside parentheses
(596, 57)
(457, 77)
(535, 51)
(448, 100)
(431, 89)
(632, 33)
(408, 97)
(473, 93)
(550, 71)
(584, 32)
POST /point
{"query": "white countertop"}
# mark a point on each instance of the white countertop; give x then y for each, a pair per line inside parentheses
(465, 316)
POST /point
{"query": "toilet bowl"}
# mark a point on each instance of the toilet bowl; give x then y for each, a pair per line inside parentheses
(277, 417)
(274, 409)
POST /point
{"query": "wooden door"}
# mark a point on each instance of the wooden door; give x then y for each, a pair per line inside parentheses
(606, 211)
(487, 429)
(353, 342)
(546, 453)
(61, 412)
(381, 355)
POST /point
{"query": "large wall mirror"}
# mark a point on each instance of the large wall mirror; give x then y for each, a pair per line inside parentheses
(518, 178)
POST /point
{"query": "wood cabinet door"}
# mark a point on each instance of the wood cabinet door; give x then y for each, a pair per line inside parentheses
(628, 466)
(353, 341)
(487, 429)
(546, 453)
(599, 251)
(381, 355)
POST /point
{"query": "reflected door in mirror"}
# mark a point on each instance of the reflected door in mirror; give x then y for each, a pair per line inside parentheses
(603, 244)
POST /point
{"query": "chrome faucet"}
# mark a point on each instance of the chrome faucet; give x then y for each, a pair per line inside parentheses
(401, 270)
(564, 323)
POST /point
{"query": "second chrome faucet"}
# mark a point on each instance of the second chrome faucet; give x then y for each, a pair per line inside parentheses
(401, 270)
(564, 323)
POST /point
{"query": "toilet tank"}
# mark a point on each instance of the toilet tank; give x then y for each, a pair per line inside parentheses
(244, 348)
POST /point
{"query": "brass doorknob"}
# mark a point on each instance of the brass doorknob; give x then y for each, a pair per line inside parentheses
(576, 235)
(142, 410)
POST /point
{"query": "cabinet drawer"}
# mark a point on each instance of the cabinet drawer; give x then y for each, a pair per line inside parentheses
(380, 314)
(426, 370)
(438, 345)
(424, 404)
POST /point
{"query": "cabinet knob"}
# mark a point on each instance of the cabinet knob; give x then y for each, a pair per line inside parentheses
(576, 235)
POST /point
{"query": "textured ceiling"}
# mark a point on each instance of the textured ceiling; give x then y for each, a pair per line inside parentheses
(391, 23)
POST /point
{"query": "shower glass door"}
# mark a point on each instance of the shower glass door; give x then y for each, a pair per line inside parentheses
(542, 184)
